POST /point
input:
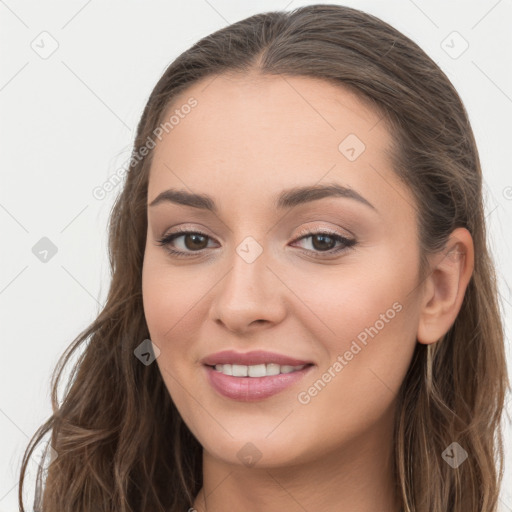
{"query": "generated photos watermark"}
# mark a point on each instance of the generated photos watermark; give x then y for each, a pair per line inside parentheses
(342, 360)
(101, 191)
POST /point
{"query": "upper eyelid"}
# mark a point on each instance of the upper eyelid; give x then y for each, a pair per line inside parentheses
(191, 228)
(305, 233)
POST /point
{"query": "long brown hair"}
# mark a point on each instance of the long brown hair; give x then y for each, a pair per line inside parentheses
(121, 442)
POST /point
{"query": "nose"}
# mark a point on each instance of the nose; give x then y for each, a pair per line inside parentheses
(250, 297)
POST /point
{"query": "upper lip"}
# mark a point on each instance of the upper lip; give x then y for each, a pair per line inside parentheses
(251, 358)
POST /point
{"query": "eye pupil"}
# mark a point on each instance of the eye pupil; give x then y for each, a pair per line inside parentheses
(322, 238)
(195, 237)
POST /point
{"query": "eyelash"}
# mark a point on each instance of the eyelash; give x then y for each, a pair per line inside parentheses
(348, 243)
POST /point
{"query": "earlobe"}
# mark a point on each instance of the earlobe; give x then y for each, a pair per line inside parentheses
(445, 287)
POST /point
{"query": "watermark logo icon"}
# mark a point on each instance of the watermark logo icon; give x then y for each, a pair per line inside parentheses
(147, 352)
(45, 45)
(249, 249)
(454, 45)
(351, 147)
(249, 455)
(44, 250)
(455, 455)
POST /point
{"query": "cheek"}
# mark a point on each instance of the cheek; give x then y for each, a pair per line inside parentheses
(171, 298)
(175, 307)
(344, 300)
(171, 307)
(357, 387)
(368, 326)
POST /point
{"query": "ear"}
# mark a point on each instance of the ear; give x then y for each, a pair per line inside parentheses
(445, 287)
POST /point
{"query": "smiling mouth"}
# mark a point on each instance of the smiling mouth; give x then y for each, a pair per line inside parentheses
(248, 383)
(257, 370)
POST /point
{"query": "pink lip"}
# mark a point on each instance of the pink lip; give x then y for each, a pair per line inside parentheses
(249, 389)
(250, 358)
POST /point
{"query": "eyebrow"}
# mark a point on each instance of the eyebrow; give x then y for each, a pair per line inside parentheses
(288, 198)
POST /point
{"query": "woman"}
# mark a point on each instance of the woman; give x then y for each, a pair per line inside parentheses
(335, 342)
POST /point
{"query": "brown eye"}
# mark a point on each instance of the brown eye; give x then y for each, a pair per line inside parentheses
(323, 242)
(326, 242)
(196, 241)
(192, 242)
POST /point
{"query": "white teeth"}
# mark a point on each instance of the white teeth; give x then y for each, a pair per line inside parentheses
(273, 369)
(239, 370)
(256, 370)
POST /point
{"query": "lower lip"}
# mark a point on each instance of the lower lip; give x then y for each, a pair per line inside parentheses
(248, 389)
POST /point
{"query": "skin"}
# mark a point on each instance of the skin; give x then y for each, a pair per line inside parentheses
(248, 138)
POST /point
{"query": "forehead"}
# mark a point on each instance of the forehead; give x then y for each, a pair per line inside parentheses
(260, 134)
(278, 111)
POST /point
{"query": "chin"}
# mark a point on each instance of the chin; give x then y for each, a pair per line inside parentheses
(252, 449)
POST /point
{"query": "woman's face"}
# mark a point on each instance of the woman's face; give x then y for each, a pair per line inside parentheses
(327, 279)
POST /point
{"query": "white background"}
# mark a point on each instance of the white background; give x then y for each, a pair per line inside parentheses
(68, 121)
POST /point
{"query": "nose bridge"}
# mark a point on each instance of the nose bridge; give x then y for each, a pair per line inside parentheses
(248, 291)
(249, 272)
